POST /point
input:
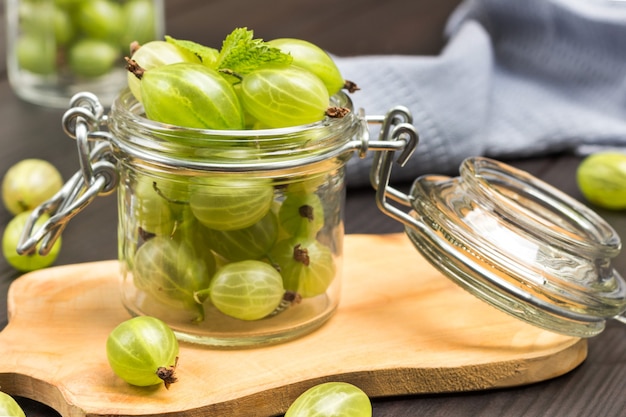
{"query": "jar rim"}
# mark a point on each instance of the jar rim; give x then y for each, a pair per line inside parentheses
(235, 150)
(476, 236)
(129, 107)
(532, 204)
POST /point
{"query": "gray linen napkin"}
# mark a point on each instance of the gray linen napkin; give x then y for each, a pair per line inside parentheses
(516, 79)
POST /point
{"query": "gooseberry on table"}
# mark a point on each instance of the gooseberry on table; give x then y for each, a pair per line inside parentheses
(601, 178)
(331, 399)
(10, 241)
(28, 183)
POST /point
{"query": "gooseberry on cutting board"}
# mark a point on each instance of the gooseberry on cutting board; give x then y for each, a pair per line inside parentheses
(143, 351)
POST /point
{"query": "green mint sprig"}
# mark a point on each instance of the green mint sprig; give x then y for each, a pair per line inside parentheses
(241, 53)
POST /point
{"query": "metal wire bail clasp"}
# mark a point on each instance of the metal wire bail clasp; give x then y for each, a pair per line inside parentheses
(397, 134)
(97, 176)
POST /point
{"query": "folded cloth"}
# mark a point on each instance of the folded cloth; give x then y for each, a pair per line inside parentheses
(515, 79)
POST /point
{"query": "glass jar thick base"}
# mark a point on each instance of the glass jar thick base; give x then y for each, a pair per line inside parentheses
(253, 341)
(219, 331)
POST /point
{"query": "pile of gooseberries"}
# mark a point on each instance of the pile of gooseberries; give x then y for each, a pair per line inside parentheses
(246, 247)
(248, 83)
(26, 185)
(80, 38)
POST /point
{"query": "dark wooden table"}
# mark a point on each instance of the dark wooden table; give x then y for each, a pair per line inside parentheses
(349, 27)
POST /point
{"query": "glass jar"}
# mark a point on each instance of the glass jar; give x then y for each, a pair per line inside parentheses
(231, 237)
(515, 242)
(57, 48)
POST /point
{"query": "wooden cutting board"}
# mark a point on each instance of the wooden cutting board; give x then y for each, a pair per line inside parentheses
(402, 328)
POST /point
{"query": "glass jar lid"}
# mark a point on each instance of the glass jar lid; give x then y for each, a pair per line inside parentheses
(520, 245)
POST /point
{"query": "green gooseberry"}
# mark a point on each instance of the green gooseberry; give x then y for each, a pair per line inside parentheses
(100, 19)
(36, 53)
(92, 57)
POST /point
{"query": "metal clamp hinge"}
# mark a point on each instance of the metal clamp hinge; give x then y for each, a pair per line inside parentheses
(97, 176)
(397, 134)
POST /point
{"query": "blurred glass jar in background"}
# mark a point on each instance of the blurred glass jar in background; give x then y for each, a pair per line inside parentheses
(57, 48)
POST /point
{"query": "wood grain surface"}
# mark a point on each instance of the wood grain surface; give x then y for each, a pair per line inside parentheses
(402, 328)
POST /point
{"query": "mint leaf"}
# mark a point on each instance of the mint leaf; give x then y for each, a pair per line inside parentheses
(241, 53)
(207, 55)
